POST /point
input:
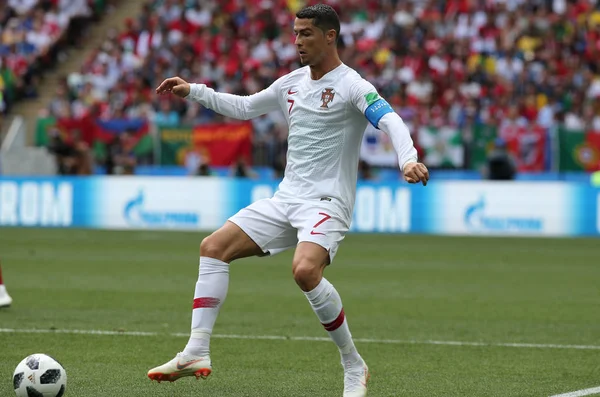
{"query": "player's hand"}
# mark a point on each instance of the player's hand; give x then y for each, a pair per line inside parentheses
(175, 85)
(415, 173)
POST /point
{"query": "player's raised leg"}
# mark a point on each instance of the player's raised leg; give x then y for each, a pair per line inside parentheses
(5, 299)
(216, 252)
(309, 262)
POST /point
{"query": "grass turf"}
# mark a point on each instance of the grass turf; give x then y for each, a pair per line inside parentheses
(542, 291)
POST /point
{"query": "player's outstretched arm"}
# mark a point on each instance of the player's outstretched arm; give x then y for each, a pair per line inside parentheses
(234, 106)
(381, 115)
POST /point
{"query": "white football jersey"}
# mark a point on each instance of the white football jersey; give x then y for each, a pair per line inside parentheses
(327, 119)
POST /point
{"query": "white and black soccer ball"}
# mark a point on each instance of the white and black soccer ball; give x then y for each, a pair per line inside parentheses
(39, 375)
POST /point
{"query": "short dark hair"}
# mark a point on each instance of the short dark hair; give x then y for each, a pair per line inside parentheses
(323, 16)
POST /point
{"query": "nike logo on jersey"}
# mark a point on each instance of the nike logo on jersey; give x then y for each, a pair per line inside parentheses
(184, 366)
(315, 233)
(290, 92)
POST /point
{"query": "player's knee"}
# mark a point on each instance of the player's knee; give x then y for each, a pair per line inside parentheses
(212, 247)
(306, 274)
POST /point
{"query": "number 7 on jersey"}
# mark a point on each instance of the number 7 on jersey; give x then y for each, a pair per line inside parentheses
(291, 102)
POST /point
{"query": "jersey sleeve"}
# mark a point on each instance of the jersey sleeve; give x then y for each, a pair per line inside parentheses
(381, 115)
(236, 106)
(367, 100)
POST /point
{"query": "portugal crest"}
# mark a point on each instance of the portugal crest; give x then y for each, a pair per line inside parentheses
(586, 155)
(327, 96)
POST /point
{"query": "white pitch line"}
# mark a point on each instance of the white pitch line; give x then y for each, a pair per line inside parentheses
(579, 393)
(306, 338)
(75, 331)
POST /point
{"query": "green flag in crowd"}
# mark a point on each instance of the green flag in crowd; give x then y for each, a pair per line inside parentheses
(41, 132)
(483, 137)
(442, 147)
(174, 143)
(579, 150)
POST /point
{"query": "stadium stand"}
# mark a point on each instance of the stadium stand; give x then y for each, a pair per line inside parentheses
(33, 37)
(463, 74)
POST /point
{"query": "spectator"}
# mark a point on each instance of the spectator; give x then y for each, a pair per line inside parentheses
(241, 169)
(65, 153)
(21, 7)
(84, 161)
(166, 116)
(8, 87)
(73, 156)
(121, 159)
(197, 162)
(365, 172)
(500, 165)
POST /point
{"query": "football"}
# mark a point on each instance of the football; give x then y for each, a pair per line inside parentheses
(39, 375)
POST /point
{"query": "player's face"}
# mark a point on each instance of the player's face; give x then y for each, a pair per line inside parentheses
(310, 42)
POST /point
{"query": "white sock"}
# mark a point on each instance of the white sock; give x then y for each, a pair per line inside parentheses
(327, 304)
(211, 290)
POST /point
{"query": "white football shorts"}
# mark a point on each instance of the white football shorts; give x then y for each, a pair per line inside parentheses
(276, 226)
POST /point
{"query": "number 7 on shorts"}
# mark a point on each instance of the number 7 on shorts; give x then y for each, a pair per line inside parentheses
(324, 219)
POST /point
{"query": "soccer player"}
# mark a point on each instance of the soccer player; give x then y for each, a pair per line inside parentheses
(327, 106)
(5, 299)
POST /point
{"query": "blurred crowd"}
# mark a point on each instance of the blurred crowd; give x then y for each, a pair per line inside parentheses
(438, 62)
(33, 37)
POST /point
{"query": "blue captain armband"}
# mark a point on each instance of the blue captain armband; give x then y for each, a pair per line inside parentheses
(377, 110)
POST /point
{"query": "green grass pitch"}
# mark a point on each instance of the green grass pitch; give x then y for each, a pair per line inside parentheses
(394, 287)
